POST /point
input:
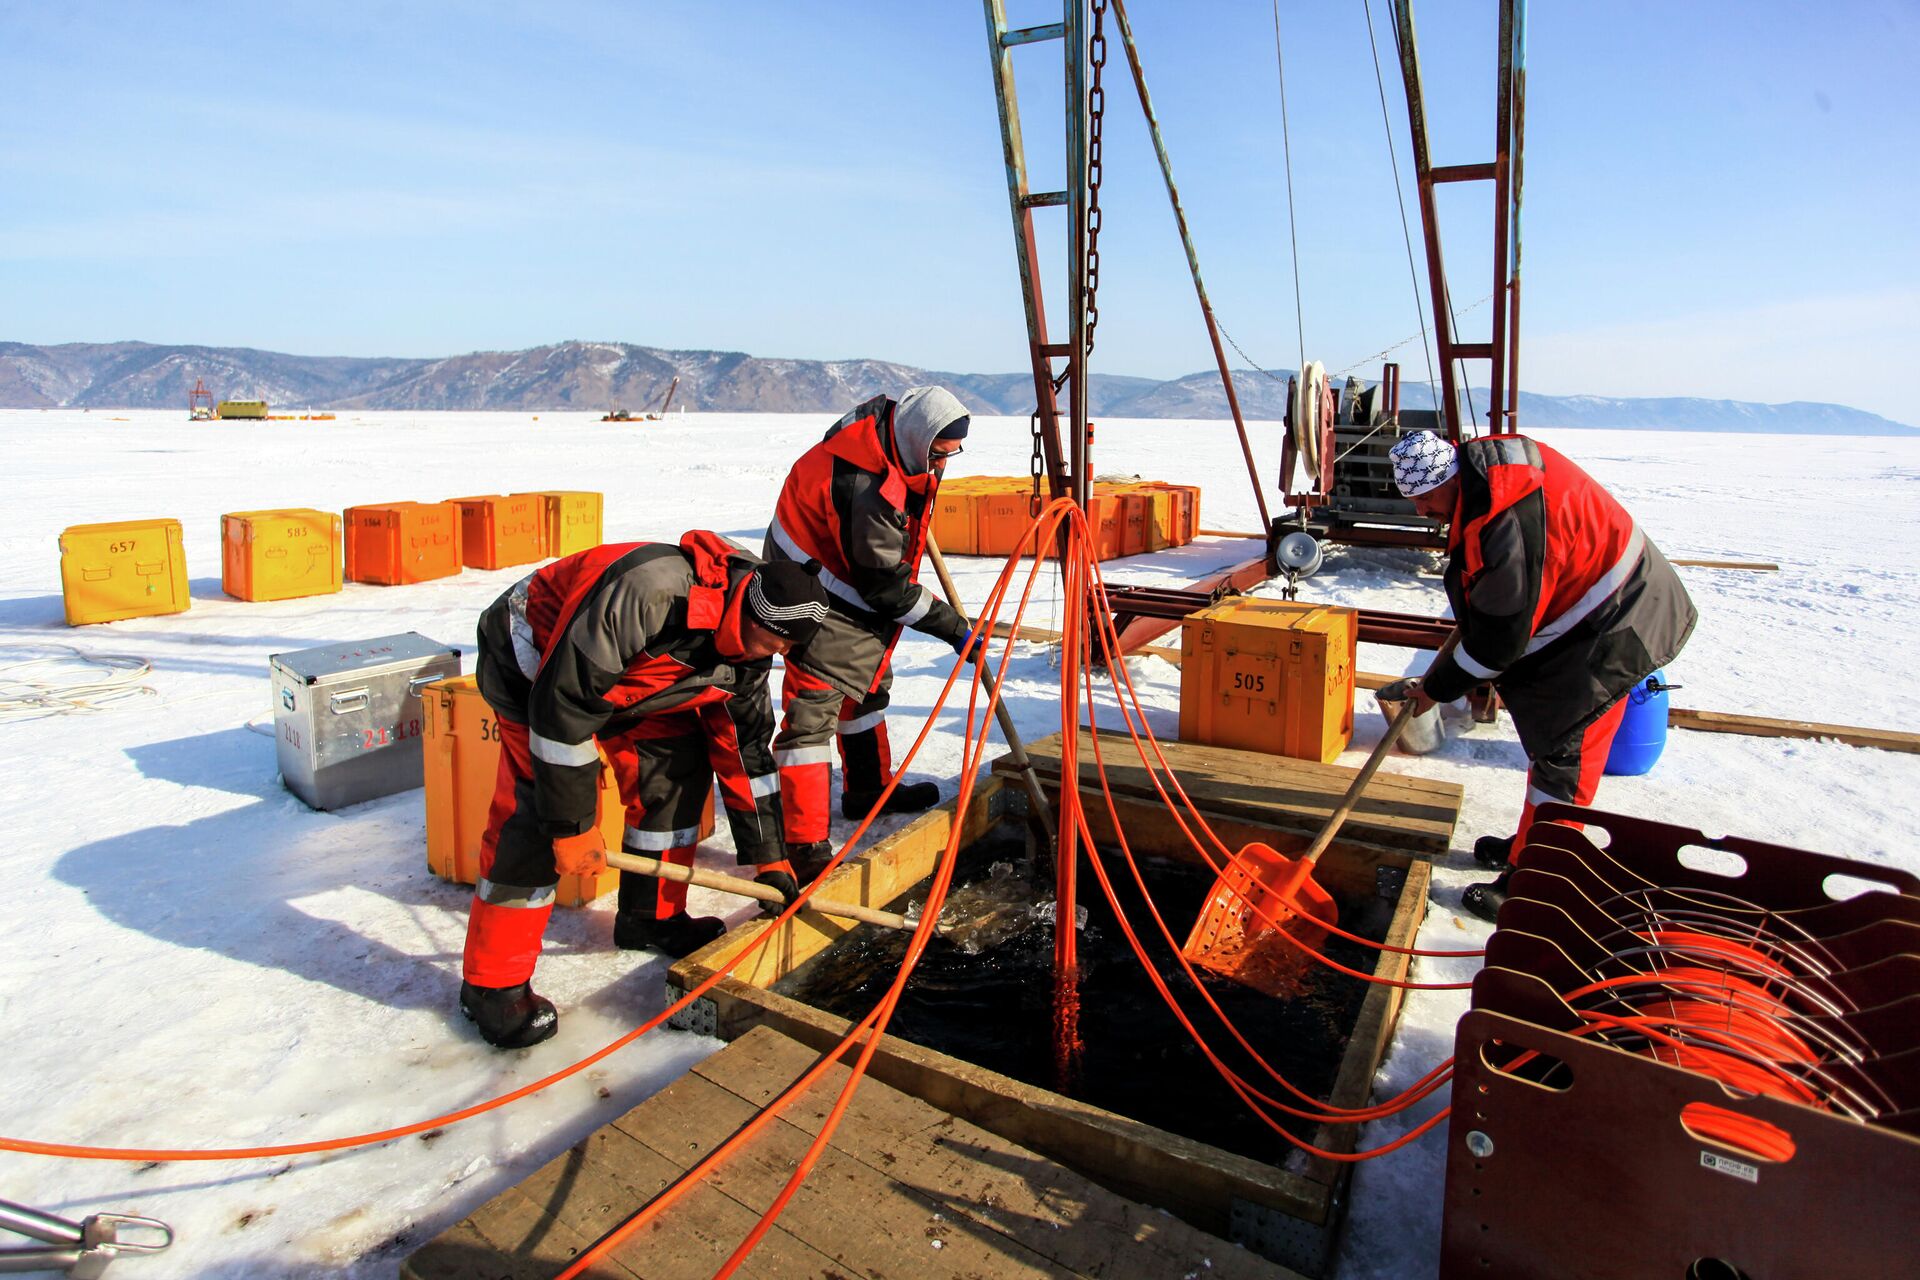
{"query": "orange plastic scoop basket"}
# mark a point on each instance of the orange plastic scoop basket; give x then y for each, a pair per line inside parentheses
(1233, 936)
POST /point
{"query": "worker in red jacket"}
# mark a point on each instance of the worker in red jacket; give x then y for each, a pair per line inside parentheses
(658, 655)
(1562, 603)
(860, 503)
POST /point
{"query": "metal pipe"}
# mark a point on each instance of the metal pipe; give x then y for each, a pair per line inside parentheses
(1032, 296)
(1518, 56)
(1429, 219)
(1193, 259)
(1503, 107)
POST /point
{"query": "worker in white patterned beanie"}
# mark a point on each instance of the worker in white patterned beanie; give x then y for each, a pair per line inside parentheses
(1562, 603)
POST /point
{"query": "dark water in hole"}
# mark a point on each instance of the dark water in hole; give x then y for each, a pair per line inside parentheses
(994, 1008)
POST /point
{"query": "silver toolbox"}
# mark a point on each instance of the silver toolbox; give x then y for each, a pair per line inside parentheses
(348, 716)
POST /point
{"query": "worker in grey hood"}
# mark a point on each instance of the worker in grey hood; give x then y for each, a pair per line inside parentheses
(925, 414)
(860, 503)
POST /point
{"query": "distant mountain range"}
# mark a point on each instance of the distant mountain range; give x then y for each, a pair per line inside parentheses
(606, 375)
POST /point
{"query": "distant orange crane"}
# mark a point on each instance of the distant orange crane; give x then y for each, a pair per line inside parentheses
(200, 402)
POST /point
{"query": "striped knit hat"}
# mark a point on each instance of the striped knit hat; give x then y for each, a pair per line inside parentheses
(787, 599)
(1422, 461)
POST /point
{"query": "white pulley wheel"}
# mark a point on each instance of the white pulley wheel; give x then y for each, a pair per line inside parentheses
(1309, 389)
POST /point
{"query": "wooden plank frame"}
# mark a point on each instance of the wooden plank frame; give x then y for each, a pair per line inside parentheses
(1290, 1215)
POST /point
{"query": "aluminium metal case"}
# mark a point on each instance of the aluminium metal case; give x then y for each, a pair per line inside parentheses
(348, 716)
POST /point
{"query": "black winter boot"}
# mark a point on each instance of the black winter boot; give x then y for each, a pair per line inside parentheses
(676, 936)
(509, 1017)
(1493, 851)
(908, 797)
(1485, 900)
(809, 860)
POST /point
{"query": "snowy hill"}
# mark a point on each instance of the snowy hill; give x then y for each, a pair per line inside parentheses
(606, 375)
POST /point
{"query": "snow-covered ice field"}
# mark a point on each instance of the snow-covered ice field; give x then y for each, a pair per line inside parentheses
(193, 958)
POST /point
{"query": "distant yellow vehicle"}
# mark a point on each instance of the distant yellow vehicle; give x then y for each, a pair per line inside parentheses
(240, 409)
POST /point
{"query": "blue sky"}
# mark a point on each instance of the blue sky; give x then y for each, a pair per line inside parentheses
(1719, 197)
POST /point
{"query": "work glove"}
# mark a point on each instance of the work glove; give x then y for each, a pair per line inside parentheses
(975, 652)
(581, 855)
(1398, 691)
(779, 875)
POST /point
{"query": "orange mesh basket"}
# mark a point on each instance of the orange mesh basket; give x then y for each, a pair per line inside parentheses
(1232, 938)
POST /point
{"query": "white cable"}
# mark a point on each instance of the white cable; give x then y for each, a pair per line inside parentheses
(71, 682)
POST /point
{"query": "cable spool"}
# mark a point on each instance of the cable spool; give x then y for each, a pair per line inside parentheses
(1310, 411)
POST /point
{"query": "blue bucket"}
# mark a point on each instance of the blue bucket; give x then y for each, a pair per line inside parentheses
(1643, 729)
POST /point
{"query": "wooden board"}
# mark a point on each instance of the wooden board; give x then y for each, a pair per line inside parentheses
(868, 878)
(1396, 811)
(1768, 727)
(1214, 1190)
(902, 1189)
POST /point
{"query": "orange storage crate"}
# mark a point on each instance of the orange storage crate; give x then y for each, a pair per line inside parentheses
(1193, 509)
(953, 518)
(402, 542)
(123, 569)
(1002, 516)
(573, 519)
(1176, 512)
(1269, 675)
(1136, 521)
(498, 531)
(279, 555)
(1106, 518)
(461, 752)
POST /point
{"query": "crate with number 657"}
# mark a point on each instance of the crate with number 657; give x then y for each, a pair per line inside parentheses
(125, 569)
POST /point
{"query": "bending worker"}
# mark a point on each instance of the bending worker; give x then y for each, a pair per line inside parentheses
(658, 654)
(860, 503)
(1561, 602)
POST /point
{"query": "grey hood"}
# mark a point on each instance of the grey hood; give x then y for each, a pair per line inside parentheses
(923, 413)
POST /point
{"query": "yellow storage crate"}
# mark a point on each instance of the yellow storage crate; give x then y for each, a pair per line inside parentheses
(279, 555)
(575, 520)
(122, 569)
(1269, 675)
(461, 754)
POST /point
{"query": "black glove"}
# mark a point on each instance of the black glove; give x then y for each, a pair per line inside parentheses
(779, 875)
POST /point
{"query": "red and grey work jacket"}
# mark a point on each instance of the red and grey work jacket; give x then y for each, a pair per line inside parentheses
(589, 645)
(848, 505)
(1540, 555)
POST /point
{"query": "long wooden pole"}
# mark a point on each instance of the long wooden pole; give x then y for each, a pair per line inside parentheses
(1016, 749)
(1348, 802)
(745, 888)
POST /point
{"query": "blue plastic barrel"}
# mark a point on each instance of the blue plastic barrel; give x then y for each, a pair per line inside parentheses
(1643, 729)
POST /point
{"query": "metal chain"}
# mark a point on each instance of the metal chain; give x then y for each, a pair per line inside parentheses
(1034, 464)
(1096, 112)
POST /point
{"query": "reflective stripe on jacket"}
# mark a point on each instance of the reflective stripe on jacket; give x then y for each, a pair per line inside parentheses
(595, 642)
(1539, 553)
(848, 504)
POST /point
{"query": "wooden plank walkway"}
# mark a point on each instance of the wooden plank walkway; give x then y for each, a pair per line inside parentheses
(902, 1190)
(1398, 811)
